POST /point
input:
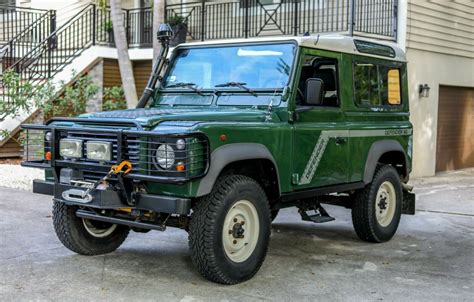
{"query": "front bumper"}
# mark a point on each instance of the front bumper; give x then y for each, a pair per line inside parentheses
(109, 199)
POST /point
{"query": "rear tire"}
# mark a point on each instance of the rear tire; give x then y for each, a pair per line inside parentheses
(84, 236)
(230, 230)
(377, 208)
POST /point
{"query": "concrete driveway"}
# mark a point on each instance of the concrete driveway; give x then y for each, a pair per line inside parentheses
(430, 258)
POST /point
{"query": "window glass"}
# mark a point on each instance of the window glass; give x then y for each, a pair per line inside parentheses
(325, 69)
(366, 84)
(376, 85)
(260, 66)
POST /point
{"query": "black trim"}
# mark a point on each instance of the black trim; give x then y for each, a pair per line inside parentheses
(122, 221)
(408, 203)
(43, 187)
(95, 121)
(313, 192)
(111, 199)
(162, 204)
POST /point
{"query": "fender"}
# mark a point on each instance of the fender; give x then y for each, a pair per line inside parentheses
(375, 152)
(230, 153)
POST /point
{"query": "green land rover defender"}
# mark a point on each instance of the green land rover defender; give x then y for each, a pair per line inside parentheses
(225, 135)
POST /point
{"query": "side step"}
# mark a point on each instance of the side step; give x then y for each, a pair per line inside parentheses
(320, 215)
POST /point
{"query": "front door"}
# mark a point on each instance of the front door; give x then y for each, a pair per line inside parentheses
(321, 147)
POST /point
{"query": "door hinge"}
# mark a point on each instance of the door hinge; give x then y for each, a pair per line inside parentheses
(295, 179)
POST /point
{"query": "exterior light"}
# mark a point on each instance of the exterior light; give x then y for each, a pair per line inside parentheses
(424, 90)
(180, 144)
(70, 148)
(101, 151)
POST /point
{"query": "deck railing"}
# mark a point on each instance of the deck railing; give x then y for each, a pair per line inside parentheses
(13, 20)
(209, 20)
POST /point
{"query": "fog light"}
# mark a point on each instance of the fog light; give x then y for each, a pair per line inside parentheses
(70, 148)
(101, 151)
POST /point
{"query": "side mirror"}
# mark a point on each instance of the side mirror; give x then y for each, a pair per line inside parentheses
(314, 91)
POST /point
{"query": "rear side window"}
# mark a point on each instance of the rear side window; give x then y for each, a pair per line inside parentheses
(376, 85)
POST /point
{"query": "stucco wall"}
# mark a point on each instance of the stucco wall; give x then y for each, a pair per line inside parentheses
(433, 69)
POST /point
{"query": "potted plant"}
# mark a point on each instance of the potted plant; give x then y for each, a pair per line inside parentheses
(108, 28)
(180, 29)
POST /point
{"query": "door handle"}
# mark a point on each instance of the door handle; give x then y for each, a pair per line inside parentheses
(341, 140)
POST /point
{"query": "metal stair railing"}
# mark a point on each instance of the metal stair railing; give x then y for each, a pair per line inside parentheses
(27, 39)
(88, 27)
(54, 52)
(14, 20)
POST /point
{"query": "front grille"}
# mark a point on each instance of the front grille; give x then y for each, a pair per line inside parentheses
(139, 147)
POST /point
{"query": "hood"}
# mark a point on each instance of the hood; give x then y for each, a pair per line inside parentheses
(150, 117)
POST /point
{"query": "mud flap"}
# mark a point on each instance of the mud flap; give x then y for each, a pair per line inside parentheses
(408, 203)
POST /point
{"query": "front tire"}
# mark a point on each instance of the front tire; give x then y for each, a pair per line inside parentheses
(85, 236)
(377, 208)
(230, 230)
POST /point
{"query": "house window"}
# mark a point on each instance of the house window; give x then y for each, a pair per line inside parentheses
(376, 85)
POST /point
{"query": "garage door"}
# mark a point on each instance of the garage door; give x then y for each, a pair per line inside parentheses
(455, 143)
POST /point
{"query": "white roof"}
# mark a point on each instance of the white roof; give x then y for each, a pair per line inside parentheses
(332, 42)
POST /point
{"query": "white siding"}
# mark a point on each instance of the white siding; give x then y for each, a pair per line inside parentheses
(445, 27)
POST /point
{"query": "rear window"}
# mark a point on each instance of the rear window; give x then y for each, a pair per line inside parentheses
(376, 85)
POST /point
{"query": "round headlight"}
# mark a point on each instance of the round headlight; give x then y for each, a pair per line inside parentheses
(165, 156)
(48, 136)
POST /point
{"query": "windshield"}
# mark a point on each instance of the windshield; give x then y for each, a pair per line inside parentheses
(263, 66)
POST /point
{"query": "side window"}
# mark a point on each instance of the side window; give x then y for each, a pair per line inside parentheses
(376, 85)
(324, 69)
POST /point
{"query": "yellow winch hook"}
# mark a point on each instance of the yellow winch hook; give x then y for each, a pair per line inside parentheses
(124, 167)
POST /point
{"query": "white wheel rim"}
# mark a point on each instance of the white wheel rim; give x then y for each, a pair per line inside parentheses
(240, 231)
(97, 232)
(385, 203)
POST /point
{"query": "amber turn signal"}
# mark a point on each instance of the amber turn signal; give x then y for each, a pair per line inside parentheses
(180, 167)
(47, 155)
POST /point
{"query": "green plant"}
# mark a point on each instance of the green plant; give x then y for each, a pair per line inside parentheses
(107, 25)
(176, 20)
(102, 4)
(72, 100)
(113, 99)
(20, 96)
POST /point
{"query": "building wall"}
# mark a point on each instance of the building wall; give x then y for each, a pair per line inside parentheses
(440, 51)
(66, 9)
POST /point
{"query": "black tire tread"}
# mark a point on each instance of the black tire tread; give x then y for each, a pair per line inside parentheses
(63, 221)
(202, 225)
(363, 217)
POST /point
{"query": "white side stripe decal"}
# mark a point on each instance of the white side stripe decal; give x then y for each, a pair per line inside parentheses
(323, 140)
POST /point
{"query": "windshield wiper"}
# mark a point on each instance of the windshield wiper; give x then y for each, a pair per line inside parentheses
(240, 85)
(185, 85)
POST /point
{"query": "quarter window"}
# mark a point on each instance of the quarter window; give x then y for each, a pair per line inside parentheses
(376, 85)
